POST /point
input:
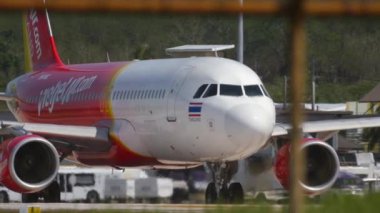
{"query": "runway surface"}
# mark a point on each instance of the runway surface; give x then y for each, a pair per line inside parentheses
(126, 206)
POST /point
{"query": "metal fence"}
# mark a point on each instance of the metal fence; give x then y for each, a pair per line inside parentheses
(295, 10)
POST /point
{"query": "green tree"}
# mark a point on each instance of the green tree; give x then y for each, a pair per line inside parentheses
(9, 61)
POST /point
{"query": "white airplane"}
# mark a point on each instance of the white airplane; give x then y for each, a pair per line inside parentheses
(165, 113)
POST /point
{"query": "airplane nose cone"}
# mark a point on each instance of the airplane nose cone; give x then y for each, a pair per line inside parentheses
(249, 126)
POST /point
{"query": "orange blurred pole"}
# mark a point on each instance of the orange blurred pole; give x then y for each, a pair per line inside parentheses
(177, 6)
(298, 72)
(296, 10)
(257, 7)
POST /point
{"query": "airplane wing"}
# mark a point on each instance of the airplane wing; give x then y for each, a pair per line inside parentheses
(4, 97)
(329, 125)
(63, 137)
(55, 130)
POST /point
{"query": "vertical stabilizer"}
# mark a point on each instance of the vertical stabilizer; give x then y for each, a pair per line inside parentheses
(39, 44)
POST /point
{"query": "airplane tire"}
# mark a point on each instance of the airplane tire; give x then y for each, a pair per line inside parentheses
(211, 195)
(52, 194)
(4, 197)
(236, 193)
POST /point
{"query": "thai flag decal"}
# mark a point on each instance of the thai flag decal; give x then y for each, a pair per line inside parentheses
(195, 111)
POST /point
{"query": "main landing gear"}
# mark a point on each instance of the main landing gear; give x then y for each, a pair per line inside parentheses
(218, 191)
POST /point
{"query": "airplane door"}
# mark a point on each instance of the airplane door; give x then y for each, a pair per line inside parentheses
(176, 85)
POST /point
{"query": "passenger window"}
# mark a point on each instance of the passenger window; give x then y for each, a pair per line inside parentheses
(136, 95)
(211, 91)
(200, 91)
(231, 90)
(124, 94)
(163, 93)
(113, 95)
(160, 94)
(253, 90)
(144, 94)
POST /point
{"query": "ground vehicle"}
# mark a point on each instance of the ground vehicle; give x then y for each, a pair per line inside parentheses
(103, 184)
(7, 195)
(106, 184)
(348, 183)
(91, 184)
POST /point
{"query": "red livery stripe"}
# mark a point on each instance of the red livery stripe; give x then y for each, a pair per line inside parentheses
(194, 115)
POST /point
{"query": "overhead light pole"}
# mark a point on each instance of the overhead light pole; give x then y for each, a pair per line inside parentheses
(240, 46)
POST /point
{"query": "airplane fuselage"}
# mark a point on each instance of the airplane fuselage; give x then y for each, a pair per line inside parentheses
(152, 109)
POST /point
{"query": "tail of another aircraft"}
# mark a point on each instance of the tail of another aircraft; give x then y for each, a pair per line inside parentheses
(39, 44)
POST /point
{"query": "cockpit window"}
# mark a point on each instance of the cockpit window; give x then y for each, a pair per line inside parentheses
(231, 90)
(253, 90)
(265, 90)
(200, 91)
(211, 91)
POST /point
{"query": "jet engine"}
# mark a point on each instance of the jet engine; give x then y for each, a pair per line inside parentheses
(28, 163)
(321, 166)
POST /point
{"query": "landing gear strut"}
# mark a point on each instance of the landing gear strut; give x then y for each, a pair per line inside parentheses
(218, 190)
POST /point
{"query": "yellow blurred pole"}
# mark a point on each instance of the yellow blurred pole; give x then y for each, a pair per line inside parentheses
(30, 209)
(257, 7)
(298, 72)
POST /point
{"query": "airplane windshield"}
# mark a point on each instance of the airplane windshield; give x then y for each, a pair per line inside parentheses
(211, 91)
(265, 90)
(253, 90)
(200, 91)
(231, 90)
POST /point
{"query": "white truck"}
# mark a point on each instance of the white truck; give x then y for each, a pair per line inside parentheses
(91, 184)
(7, 195)
(104, 184)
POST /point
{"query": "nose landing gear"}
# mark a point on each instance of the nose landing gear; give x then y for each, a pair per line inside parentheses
(218, 190)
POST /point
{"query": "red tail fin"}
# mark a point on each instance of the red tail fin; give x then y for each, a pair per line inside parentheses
(39, 44)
